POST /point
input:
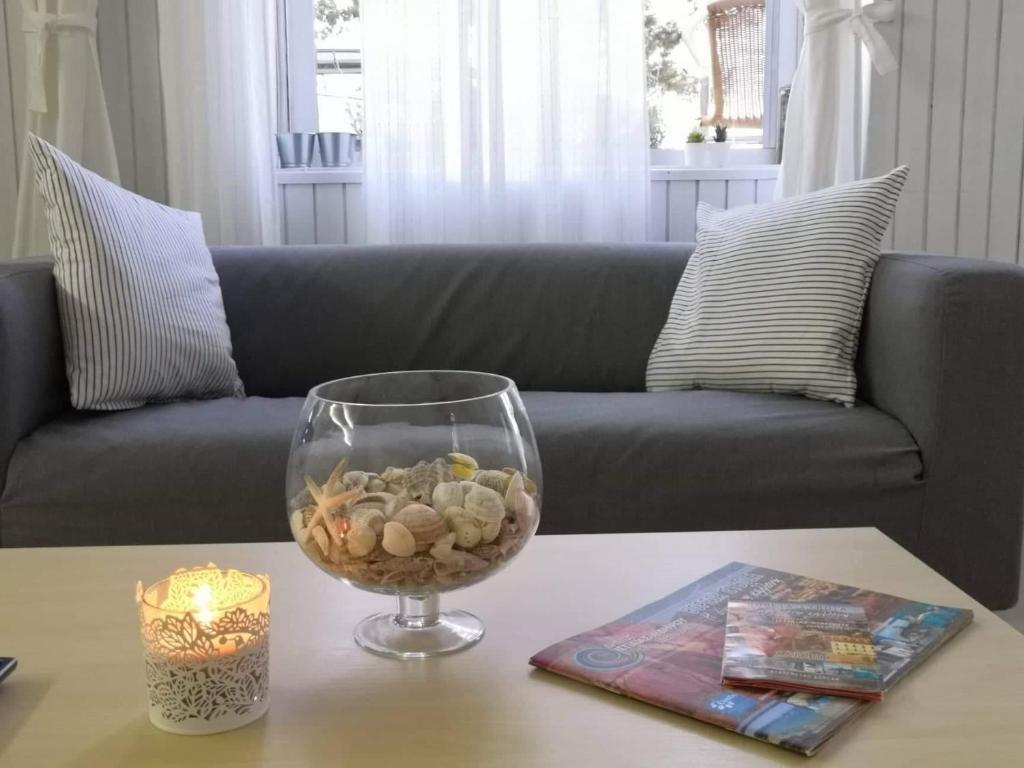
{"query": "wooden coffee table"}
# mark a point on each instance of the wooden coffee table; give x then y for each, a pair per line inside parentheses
(77, 698)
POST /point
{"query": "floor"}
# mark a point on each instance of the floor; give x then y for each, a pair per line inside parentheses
(1015, 616)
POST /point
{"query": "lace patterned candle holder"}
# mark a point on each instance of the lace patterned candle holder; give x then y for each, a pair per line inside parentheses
(206, 638)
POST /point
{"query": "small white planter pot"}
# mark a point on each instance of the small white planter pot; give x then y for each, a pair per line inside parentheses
(696, 154)
(718, 151)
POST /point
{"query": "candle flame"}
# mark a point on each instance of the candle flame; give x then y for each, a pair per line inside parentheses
(201, 604)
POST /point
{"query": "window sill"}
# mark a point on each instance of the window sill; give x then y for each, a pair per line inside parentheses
(692, 173)
(354, 175)
(319, 175)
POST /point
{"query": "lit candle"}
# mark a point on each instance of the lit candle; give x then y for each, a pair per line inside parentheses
(206, 637)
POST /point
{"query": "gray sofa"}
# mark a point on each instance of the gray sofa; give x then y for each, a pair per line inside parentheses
(933, 454)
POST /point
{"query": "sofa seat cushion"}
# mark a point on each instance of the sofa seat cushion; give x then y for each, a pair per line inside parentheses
(707, 460)
(214, 470)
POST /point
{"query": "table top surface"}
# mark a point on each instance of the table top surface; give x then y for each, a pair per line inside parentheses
(78, 696)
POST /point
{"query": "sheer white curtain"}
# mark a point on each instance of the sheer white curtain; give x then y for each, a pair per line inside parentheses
(218, 73)
(828, 102)
(505, 120)
(65, 102)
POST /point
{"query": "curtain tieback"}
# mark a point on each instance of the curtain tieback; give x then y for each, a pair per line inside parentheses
(862, 24)
(42, 25)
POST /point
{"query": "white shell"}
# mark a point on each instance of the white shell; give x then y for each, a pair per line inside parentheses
(447, 495)
(398, 541)
(376, 485)
(489, 531)
(443, 548)
(361, 539)
(368, 516)
(421, 479)
(494, 479)
(515, 485)
(485, 505)
(298, 530)
(424, 523)
(355, 479)
(467, 533)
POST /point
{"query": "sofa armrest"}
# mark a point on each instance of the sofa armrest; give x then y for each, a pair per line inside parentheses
(942, 350)
(33, 387)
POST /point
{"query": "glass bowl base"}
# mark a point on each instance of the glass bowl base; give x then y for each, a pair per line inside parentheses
(386, 634)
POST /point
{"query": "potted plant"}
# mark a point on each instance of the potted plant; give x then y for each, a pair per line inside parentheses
(719, 148)
(696, 149)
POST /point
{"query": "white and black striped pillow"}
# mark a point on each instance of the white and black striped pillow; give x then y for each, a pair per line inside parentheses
(140, 304)
(772, 298)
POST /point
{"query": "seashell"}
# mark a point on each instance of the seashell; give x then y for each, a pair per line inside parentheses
(494, 479)
(447, 495)
(467, 532)
(424, 523)
(524, 508)
(368, 516)
(337, 554)
(361, 539)
(393, 475)
(299, 529)
(398, 503)
(453, 514)
(375, 485)
(531, 487)
(421, 479)
(515, 485)
(484, 504)
(322, 540)
(443, 547)
(489, 531)
(378, 500)
(355, 479)
(397, 540)
(463, 466)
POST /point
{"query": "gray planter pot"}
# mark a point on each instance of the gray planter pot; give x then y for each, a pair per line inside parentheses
(335, 149)
(295, 149)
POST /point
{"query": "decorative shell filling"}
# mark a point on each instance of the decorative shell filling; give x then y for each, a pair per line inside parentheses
(438, 522)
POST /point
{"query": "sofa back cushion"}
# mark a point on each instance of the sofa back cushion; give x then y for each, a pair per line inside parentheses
(552, 317)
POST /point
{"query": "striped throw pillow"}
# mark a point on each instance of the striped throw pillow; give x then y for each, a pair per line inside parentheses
(772, 298)
(139, 301)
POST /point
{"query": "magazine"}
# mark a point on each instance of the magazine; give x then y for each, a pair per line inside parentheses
(669, 654)
(811, 647)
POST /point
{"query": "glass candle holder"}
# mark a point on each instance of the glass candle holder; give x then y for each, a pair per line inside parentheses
(206, 639)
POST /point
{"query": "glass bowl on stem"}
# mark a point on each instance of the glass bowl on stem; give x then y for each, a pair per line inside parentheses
(414, 483)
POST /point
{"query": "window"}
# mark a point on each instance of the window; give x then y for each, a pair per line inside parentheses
(339, 73)
(716, 62)
(754, 53)
(323, 84)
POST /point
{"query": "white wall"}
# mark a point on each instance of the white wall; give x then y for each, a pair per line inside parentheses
(955, 113)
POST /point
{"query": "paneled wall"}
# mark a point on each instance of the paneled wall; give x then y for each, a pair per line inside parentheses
(955, 113)
(321, 207)
(129, 63)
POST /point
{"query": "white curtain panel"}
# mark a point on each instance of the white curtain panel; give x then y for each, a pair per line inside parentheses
(505, 120)
(64, 96)
(828, 99)
(218, 72)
